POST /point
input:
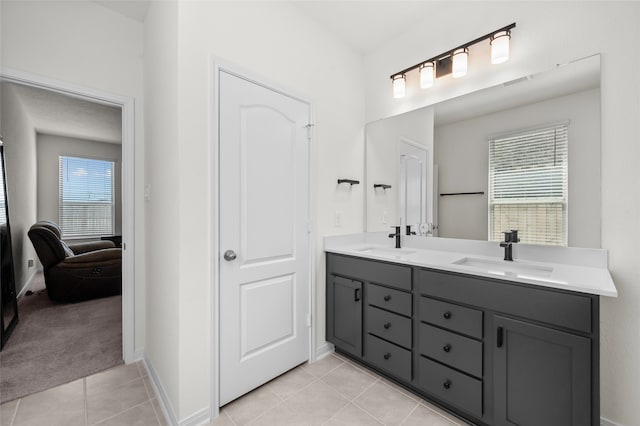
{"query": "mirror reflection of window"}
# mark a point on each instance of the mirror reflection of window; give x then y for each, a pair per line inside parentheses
(528, 185)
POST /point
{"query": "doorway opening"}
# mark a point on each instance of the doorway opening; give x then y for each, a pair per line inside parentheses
(54, 143)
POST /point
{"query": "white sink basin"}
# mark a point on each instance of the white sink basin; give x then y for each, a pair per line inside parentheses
(386, 251)
(506, 268)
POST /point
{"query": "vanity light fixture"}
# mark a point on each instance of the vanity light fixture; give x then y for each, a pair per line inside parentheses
(399, 82)
(427, 72)
(454, 61)
(500, 47)
(460, 60)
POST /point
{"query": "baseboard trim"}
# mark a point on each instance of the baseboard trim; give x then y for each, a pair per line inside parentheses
(200, 417)
(323, 350)
(607, 422)
(27, 285)
(161, 394)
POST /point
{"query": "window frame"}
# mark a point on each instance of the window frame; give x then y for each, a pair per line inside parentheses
(61, 202)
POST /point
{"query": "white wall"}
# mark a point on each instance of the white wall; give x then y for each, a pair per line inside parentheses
(83, 44)
(383, 162)
(546, 34)
(276, 43)
(162, 210)
(49, 148)
(462, 153)
(20, 164)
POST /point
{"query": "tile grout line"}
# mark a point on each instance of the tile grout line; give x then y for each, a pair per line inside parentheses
(15, 412)
(410, 413)
(86, 402)
(117, 414)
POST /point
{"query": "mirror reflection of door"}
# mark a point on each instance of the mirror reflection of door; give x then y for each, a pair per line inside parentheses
(413, 185)
(8, 301)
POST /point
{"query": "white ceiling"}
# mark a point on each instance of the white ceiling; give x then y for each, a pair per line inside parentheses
(136, 9)
(363, 25)
(57, 114)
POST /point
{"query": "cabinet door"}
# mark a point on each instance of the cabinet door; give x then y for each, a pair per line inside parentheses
(542, 376)
(344, 314)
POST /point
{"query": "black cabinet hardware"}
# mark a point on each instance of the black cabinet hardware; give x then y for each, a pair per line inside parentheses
(499, 337)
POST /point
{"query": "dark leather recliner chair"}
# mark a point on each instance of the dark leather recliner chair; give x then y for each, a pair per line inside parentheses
(77, 272)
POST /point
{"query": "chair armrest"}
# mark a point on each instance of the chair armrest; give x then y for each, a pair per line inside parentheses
(97, 256)
(80, 248)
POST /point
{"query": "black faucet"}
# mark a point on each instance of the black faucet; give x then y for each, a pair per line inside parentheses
(509, 239)
(409, 231)
(397, 235)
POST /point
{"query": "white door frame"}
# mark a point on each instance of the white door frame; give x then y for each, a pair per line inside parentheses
(218, 65)
(127, 105)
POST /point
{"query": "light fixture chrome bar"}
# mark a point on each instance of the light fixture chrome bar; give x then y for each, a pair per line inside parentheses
(449, 53)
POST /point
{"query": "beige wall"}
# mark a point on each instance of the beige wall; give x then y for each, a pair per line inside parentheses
(20, 164)
(49, 150)
(162, 209)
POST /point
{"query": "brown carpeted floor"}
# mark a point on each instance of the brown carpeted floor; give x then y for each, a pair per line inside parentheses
(58, 343)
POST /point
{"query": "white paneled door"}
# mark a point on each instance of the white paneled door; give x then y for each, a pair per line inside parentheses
(264, 238)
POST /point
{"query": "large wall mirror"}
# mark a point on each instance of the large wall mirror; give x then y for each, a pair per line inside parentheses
(470, 141)
(8, 301)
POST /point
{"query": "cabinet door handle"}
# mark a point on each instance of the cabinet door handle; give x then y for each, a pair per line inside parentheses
(499, 337)
(446, 348)
(447, 315)
(387, 355)
(387, 298)
(447, 384)
(356, 295)
(387, 325)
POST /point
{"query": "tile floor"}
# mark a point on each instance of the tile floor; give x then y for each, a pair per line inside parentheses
(332, 392)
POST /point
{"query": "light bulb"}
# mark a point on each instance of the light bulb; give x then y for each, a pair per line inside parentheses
(398, 86)
(426, 75)
(500, 47)
(460, 57)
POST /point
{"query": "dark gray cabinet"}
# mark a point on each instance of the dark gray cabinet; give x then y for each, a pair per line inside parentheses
(541, 375)
(344, 318)
(490, 351)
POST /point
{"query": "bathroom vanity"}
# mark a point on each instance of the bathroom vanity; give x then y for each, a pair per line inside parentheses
(496, 343)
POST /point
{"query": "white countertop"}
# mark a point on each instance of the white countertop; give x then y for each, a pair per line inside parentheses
(567, 268)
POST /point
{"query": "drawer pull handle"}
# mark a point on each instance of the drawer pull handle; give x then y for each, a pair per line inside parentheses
(356, 295)
(387, 325)
(499, 337)
(447, 384)
(447, 348)
(387, 355)
(447, 315)
(387, 298)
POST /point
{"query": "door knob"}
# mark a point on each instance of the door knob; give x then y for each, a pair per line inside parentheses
(229, 255)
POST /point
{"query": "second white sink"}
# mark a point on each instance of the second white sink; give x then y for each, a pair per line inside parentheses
(506, 268)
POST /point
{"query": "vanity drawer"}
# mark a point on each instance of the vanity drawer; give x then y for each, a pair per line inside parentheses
(389, 299)
(556, 307)
(389, 357)
(368, 270)
(389, 326)
(452, 317)
(452, 349)
(449, 385)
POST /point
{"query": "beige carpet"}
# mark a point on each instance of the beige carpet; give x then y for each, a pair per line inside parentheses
(58, 343)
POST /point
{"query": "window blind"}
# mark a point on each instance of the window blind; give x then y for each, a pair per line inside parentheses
(528, 182)
(86, 197)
